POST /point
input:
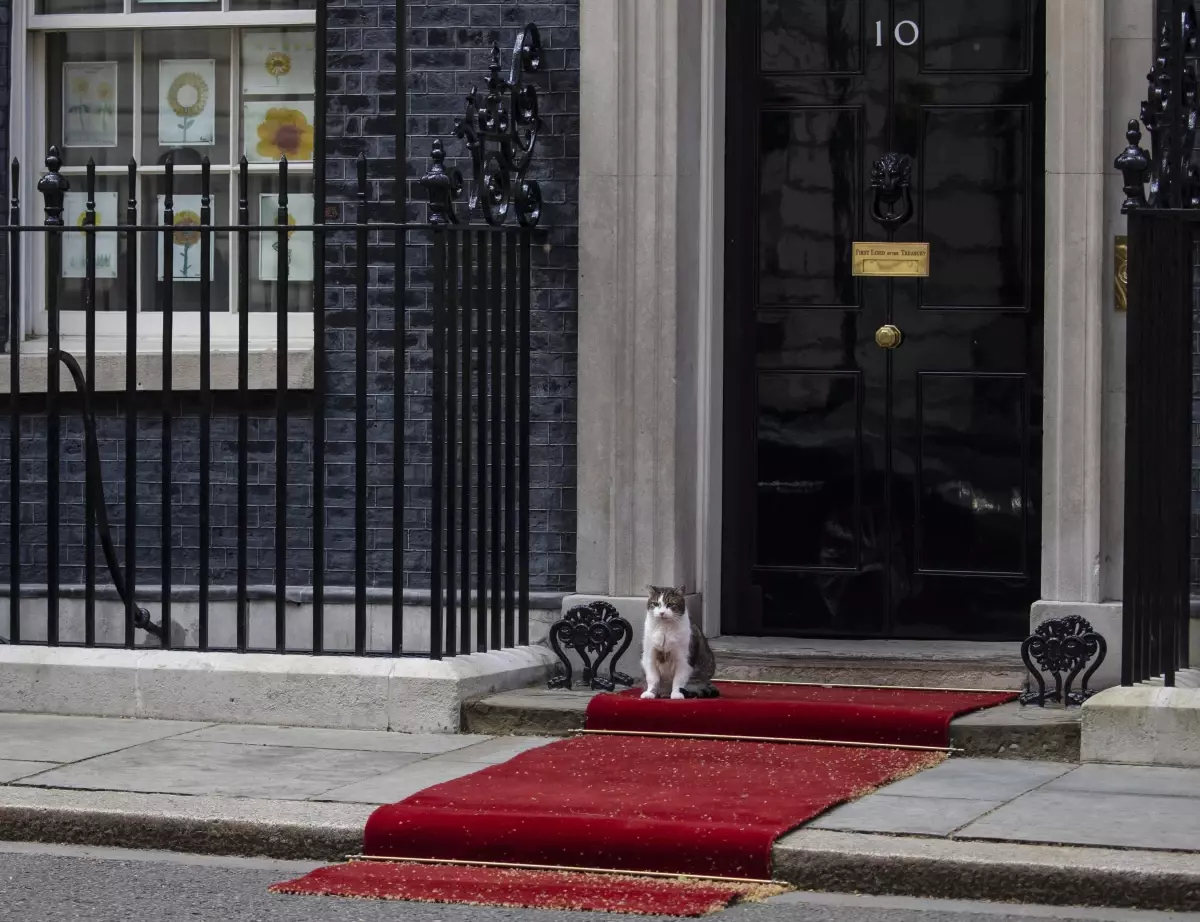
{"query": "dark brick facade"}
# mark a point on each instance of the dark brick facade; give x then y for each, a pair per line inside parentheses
(449, 50)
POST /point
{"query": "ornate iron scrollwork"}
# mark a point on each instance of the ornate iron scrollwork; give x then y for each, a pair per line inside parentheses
(501, 134)
(595, 629)
(891, 178)
(1062, 647)
(1170, 113)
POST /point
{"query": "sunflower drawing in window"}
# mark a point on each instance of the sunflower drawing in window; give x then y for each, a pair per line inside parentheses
(285, 132)
(187, 96)
(186, 237)
(278, 64)
(291, 233)
(104, 93)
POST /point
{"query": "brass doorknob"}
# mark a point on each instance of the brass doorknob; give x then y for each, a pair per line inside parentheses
(888, 336)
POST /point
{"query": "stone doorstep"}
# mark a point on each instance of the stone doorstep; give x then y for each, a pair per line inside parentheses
(1006, 732)
(923, 663)
(808, 859)
(410, 694)
(1146, 724)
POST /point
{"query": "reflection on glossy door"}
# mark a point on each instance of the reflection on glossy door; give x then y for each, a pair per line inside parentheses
(883, 486)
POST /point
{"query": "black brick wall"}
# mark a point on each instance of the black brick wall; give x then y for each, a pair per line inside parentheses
(449, 52)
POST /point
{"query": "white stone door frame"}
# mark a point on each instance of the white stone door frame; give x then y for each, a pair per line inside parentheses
(651, 299)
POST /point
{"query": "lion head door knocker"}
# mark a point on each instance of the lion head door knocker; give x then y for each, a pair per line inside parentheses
(891, 178)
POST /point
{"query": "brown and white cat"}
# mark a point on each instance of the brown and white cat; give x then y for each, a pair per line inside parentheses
(676, 657)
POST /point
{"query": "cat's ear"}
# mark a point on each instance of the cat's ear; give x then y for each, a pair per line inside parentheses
(653, 590)
(682, 590)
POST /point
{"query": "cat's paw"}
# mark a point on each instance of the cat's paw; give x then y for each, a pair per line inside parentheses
(648, 694)
(677, 695)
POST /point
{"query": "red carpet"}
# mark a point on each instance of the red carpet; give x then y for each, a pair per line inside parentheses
(524, 888)
(631, 803)
(864, 715)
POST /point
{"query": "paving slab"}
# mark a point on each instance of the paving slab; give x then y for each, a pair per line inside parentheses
(50, 738)
(313, 738)
(223, 769)
(389, 787)
(1130, 779)
(496, 750)
(996, 780)
(926, 816)
(1139, 821)
(11, 770)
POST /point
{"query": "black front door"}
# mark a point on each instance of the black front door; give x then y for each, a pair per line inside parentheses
(882, 434)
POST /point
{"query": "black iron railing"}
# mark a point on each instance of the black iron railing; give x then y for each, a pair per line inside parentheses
(1162, 200)
(476, 375)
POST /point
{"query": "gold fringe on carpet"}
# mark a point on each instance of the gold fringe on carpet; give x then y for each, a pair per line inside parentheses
(767, 739)
(666, 875)
(982, 691)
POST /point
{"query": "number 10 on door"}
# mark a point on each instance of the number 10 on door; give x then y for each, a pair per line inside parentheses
(906, 33)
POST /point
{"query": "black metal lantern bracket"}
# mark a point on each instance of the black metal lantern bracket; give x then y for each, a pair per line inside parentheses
(501, 132)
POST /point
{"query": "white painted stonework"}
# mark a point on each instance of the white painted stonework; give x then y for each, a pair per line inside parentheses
(651, 257)
(408, 695)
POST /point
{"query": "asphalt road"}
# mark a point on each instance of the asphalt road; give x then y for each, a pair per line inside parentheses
(64, 884)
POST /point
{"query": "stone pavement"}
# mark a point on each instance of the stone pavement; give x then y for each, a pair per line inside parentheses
(970, 827)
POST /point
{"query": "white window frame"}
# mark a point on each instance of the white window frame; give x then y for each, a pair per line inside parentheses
(28, 142)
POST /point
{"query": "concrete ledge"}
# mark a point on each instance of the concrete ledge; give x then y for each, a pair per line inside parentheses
(850, 862)
(201, 825)
(1144, 725)
(406, 695)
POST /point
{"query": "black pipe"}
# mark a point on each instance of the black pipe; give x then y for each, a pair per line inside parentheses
(95, 488)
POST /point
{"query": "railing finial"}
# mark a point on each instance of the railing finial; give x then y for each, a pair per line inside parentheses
(54, 187)
(1134, 164)
(442, 187)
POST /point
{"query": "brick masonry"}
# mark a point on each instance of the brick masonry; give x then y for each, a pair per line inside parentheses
(449, 46)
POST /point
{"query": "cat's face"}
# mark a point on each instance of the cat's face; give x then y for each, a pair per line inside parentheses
(665, 604)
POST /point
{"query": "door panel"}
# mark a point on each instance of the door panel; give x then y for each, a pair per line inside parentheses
(809, 200)
(871, 491)
(811, 36)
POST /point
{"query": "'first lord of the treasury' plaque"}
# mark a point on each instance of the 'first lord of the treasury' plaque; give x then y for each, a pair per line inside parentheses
(892, 260)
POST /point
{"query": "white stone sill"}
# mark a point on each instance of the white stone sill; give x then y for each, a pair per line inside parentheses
(111, 361)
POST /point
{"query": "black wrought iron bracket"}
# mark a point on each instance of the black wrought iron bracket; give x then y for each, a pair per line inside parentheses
(1171, 114)
(501, 133)
(54, 187)
(1062, 647)
(596, 629)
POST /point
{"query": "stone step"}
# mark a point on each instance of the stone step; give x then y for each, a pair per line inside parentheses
(906, 663)
(1006, 732)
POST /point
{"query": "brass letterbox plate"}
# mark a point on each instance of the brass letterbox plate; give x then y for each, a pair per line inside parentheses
(891, 260)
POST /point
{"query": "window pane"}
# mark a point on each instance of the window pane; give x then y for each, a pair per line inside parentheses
(185, 103)
(264, 248)
(80, 6)
(112, 193)
(175, 6)
(272, 4)
(278, 118)
(89, 90)
(185, 245)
